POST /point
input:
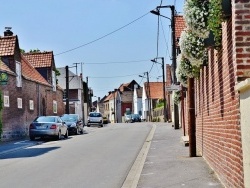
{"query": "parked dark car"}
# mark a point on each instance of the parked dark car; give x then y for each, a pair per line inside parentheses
(135, 118)
(105, 120)
(127, 118)
(48, 126)
(74, 123)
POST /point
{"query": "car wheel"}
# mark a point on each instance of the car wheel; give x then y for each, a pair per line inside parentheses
(76, 131)
(66, 134)
(88, 125)
(58, 137)
(32, 138)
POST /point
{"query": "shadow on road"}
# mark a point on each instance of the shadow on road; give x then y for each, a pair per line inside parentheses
(28, 152)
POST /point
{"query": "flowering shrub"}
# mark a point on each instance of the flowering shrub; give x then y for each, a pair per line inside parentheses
(196, 17)
(185, 70)
(177, 97)
(193, 48)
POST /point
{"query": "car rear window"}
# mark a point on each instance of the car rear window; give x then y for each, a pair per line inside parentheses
(45, 119)
(95, 115)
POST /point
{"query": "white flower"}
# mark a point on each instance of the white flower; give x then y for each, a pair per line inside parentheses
(195, 15)
(192, 47)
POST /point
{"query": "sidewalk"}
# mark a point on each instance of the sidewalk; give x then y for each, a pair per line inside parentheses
(168, 164)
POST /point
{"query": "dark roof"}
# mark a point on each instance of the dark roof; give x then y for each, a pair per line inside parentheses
(5, 68)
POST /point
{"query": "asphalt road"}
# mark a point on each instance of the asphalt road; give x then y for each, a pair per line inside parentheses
(101, 158)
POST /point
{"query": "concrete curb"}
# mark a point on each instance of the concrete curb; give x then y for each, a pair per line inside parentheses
(135, 171)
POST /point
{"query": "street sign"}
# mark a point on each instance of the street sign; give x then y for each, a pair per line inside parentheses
(3, 78)
(173, 88)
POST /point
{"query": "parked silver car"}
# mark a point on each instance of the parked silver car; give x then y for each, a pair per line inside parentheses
(48, 126)
(95, 118)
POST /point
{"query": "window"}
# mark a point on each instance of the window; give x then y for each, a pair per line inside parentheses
(6, 100)
(19, 103)
(54, 106)
(19, 74)
(31, 102)
(64, 94)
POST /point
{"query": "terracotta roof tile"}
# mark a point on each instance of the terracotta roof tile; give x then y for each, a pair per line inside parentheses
(179, 26)
(156, 91)
(40, 59)
(7, 45)
(30, 73)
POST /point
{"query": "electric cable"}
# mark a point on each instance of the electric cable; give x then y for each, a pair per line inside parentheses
(102, 36)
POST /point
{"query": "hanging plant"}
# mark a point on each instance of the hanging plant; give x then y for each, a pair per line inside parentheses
(177, 97)
(193, 48)
(215, 18)
(196, 17)
(185, 70)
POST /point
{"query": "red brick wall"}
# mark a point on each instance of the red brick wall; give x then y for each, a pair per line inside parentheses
(16, 121)
(218, 131)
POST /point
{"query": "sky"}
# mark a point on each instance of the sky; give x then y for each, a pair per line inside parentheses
(110, 41)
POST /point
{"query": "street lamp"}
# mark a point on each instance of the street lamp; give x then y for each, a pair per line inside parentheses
(163, 85)
(157, 12)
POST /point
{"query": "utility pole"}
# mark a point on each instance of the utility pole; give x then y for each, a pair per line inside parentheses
(67, 89)
(83, 114)
(176, 111)
(164, 91)
(87, 80)
(157, 12)
(191, 118)
(114, 107)
(76, 67)
(149, 98)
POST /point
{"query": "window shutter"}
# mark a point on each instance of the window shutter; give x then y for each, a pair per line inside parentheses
(19, 74)
(54, 80)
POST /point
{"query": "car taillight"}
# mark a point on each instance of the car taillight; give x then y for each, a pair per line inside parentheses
(53, 126)
(32, 126)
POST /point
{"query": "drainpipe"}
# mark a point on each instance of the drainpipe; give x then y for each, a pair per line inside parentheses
(191, 118)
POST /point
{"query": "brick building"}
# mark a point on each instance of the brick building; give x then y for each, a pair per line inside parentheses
(26, 93)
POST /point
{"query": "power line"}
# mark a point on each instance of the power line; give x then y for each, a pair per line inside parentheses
(114, 76)
(121, 62)
(102, 36)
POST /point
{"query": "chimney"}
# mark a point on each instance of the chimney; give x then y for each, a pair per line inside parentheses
(8, 32)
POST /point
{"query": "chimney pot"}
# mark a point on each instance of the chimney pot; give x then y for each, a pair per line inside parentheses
(8, 32)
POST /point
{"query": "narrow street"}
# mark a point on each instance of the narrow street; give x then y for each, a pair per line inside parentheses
(100, 158)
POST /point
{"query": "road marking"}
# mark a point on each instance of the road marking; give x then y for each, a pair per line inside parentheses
(21, 142)
(147, 174)
(135, 171)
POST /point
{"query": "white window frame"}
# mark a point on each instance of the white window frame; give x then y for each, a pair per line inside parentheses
(19, 103)
(31, 104)
(6, 100)
(54, 106)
